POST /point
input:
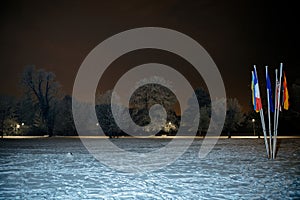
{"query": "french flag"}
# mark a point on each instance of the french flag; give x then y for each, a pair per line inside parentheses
(258, 105)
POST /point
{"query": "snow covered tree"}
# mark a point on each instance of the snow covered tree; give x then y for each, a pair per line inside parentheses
(234, 116)
(7, 114)
(202, 97)
(64, 123)
(192, 112)
(105, 115)
(147, 93)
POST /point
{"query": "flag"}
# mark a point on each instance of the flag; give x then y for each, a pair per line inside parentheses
(253, 92)
(258, 105)
(269, 88)
(278, 106)
(285, 93)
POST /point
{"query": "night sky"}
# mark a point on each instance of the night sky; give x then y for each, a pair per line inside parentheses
(57, 35)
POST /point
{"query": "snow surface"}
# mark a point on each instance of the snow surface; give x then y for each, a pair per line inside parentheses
(58, 168)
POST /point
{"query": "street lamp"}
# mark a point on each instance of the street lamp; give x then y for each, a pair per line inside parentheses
(253, 122)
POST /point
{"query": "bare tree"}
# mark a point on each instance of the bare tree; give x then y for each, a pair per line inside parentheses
(43, 88)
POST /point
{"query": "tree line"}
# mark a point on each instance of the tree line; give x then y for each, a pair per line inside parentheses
(44, 110)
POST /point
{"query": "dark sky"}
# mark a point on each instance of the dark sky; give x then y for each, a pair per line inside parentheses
(57, 35)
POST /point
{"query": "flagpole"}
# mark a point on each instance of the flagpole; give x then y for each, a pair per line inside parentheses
(277, 114)
(275, 110)
(262, 119)
(264, 131)
(269, 116)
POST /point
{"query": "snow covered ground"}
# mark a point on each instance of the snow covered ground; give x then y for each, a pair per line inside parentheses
(234, 169)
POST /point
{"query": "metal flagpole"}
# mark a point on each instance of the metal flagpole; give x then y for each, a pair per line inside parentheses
(262, 118)
(276, 108)
(264, 131)
(269, 116)
(277, 113)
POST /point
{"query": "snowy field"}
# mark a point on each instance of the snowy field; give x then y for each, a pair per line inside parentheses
(234, 169)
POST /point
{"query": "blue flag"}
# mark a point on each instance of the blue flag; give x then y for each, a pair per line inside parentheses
(269, 88)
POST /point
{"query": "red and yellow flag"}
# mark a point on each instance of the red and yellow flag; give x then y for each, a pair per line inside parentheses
(285, 94)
